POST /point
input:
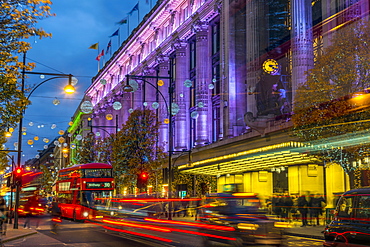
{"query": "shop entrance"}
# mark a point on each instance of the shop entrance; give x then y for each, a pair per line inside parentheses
(280, 181)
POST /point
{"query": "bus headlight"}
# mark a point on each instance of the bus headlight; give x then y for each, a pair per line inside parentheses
(85, 214)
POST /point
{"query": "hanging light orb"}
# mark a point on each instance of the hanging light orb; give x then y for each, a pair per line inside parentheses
(211, 86)
(109, 117)
(45, 146)
(39, 126)
(65, 155)
(97, 133)
(37, 156)
(42, 76)
(175, 108)
(11, 130)
(145, 104)
(24, 133)
(86, 107)
(30, 142)
(166, 121)
(78, 137)
(46, 140)
(73, 146)
(200, 104)
(194, 114)
(56, 143)
(70, 123)
(56, 101)
(30, 123)
(61, 132)
(214, 80)
(155, 105)
(181, 95)
(15, 144)
(42, 126)
(51, 155)
(188, 83)
(117, 105)
(103, 81)
(36, 138)
(24, 129)
(65, 144)
(59, 145)
(160, 83)
(74, 81)
(130, 110)
(53, 126)
(61, 139)
(134, 85)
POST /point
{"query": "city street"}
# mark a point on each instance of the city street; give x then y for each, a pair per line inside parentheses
(85, 234)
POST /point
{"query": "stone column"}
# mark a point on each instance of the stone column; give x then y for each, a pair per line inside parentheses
(302, 42)
(181, 132)
(163, 69)
(203, 78)
(253, 8)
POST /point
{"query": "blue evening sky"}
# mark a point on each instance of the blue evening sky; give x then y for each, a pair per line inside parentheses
(76, 26)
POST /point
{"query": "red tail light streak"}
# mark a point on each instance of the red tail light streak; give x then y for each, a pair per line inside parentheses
(207, 226)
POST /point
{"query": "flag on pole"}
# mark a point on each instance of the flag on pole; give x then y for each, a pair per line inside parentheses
(115, 33)
(100, 55)
(109, 45)
(94, 46)
(135, 8)
(123, 21)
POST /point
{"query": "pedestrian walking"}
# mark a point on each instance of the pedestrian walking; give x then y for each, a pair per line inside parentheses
(317, 204)
(55, 215)
(303, 209)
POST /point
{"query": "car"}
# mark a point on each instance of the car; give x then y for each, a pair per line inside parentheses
(244, 221)
(351, 222)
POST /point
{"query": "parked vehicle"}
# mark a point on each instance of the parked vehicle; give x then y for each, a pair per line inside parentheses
(351, 222)
(247, 223)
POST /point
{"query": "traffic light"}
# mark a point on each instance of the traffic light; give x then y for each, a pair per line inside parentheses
(142, 180)
(18, 173)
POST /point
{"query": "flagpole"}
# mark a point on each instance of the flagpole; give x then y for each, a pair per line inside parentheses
(128, 26)
(99, 59)
(138, 13)
(119, 39)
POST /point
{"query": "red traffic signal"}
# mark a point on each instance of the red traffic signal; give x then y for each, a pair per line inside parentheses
(142, 180)
(144, 175)
(18, 171)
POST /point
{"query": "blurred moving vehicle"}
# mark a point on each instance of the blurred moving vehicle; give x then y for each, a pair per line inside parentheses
(247, 222)
(351, 223)
(34, 205)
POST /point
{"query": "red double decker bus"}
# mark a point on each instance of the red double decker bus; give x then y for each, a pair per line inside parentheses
(81, 188)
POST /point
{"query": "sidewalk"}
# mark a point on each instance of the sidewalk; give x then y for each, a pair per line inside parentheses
(13, 234)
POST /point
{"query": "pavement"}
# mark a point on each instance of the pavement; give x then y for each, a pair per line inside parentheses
(314, 232)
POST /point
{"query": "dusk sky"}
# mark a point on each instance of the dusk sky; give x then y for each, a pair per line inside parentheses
(76, 26)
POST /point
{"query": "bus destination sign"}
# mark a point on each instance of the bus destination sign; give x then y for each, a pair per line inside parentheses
(98, 185)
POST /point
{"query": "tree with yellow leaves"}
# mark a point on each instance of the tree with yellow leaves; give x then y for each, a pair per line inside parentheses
(18, 19)
(327, 105)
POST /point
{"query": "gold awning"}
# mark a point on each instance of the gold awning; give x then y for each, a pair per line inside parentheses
(283, 154)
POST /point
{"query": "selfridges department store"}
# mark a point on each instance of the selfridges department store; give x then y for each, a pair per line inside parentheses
(235, 69)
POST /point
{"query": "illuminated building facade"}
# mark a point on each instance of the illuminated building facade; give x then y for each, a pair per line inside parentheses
(235, 68)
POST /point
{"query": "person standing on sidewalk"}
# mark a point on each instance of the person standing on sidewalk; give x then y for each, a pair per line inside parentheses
(317, 205)
(3, 215)
(303, 209)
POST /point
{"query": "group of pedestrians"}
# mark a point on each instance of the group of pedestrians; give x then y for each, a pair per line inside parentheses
(308, 207)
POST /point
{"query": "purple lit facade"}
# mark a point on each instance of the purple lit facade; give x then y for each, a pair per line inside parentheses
(234, 117)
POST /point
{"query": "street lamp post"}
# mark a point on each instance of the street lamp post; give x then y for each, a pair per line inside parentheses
(128, 88)
(68, 89)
